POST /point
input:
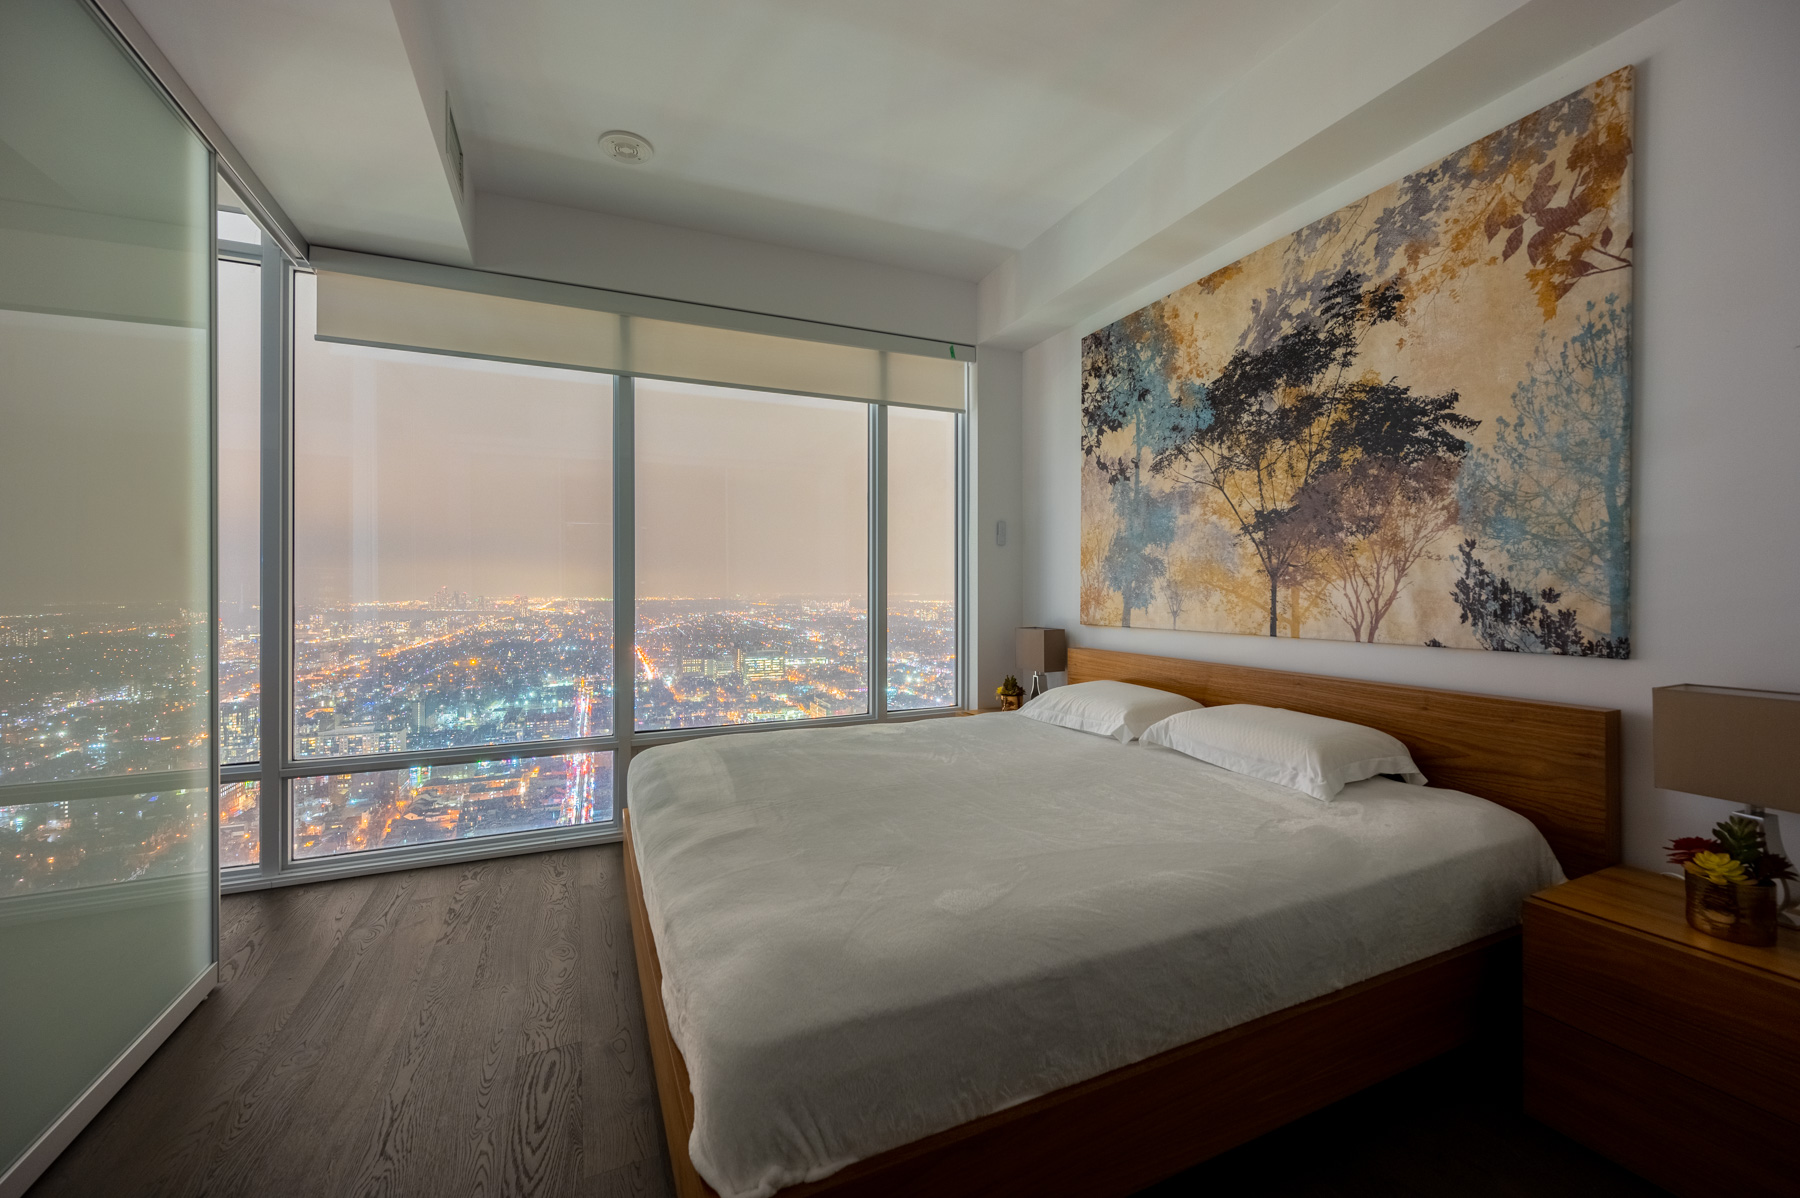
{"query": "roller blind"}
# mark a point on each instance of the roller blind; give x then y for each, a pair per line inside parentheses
(522, 320)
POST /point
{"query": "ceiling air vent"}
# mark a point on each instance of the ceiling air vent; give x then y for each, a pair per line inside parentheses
(622, 145)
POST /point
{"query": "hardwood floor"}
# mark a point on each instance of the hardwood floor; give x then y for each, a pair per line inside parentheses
(476, 1030)
(458, 1030)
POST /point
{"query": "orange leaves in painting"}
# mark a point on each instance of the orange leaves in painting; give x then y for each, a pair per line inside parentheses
(1227, 588)
(1560, 210)
(1220, 277)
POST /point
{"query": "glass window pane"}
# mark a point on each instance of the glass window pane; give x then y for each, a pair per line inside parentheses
(921, 559)
(239, 831)
(105, 471)
(383, 809)
(235, 226)
(752, 556)
(240, 509)
(97, 689)
(452, 549)
(100, 841)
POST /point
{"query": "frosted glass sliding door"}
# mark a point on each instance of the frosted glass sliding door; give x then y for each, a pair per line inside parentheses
(107, 876)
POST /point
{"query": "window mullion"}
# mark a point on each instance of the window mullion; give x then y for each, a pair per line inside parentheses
(878, 656)
(624, 582)
(966, 589)
(213, 728)
(274, 674)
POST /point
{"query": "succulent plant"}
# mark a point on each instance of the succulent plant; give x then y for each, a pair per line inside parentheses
(1736, 852)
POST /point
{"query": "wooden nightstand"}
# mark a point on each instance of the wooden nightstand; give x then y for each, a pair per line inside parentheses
(1673, 1053)
(977, 710)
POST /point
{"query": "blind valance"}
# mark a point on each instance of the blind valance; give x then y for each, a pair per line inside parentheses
(366, 300)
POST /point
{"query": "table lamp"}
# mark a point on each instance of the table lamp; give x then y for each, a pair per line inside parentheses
(1736, 745)
(1042, 651)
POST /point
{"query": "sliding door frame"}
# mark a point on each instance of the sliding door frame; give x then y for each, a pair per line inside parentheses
(273, 443)
(212, 521)
(17, 1175)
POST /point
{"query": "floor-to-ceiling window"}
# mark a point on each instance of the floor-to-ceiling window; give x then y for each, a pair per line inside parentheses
(496, 580)
(452, 595)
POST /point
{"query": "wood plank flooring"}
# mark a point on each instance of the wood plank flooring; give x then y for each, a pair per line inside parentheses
(476, 1030)
(471, 1029)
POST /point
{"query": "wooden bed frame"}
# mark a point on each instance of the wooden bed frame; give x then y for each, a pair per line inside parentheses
(1555, 763)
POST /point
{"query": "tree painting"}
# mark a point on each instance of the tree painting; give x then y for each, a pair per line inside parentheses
(1554, 491)
(1408, 422)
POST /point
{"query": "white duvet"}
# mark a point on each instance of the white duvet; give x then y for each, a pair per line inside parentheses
(870, 934)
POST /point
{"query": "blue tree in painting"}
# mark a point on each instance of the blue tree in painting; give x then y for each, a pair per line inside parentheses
(1125, 386)
(1552, 497)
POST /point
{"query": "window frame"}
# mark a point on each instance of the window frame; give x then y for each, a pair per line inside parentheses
(244, 254)
(278, 766)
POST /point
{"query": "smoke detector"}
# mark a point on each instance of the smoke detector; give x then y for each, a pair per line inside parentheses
(629, 148)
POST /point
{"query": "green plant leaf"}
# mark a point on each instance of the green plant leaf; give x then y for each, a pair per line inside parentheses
(1742, 838)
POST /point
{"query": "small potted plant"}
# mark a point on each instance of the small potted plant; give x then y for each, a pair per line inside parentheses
(1011, 694)
(1731, 878)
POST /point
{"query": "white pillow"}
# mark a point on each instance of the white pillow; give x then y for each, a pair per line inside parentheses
(1307, 752)
(1116, 709)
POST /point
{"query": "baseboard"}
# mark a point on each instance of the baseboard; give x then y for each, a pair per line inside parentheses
(48, 1146)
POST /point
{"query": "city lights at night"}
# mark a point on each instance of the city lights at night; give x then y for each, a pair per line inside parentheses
(103, 692)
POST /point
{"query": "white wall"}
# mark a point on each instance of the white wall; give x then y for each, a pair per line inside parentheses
(999, 569)
(1716, 569)
(592, 249)
(1366, 80)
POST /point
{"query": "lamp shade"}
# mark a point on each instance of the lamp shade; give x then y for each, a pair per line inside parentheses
(1731, 744)
(1043, 650)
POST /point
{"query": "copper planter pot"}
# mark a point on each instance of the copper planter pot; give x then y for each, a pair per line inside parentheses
(1734, 911)
(1011, 702)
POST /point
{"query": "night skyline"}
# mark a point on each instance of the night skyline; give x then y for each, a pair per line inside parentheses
(108, 697)
(453, 589)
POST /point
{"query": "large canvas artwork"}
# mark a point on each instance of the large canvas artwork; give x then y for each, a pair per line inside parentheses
(1408, 422)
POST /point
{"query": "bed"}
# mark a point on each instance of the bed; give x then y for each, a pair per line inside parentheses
(991, 956)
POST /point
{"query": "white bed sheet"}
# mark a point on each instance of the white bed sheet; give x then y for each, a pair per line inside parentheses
(870, 934)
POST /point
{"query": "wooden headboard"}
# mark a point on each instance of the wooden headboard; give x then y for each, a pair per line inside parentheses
(1554, 763)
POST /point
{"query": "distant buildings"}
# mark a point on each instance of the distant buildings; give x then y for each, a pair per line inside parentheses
(96, 694)
(763, 667)
(350, 740)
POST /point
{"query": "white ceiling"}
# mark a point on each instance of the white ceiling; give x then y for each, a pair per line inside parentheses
(937, 134)
(1064, 155)
(320, 98)
(934, 134)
